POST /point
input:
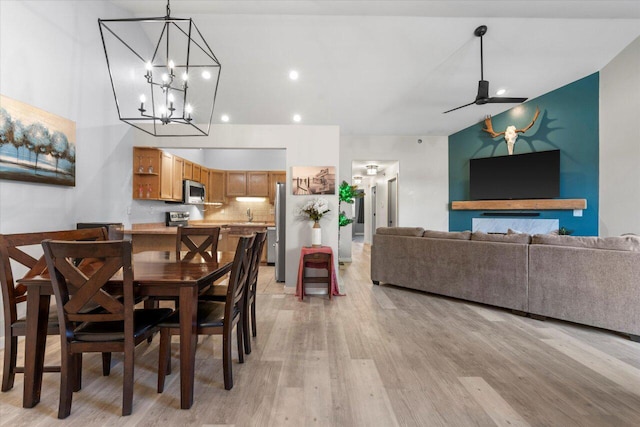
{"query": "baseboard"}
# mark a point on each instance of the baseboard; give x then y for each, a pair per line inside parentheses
(345, 259)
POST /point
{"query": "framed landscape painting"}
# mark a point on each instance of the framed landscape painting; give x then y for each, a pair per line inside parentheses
(36, 146)
(313, 180)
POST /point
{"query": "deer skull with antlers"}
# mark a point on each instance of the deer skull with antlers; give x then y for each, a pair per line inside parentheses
(510, 133)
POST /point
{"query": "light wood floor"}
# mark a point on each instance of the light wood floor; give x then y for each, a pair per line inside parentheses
(380, 356)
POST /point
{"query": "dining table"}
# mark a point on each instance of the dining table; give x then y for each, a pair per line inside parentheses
(156, 274)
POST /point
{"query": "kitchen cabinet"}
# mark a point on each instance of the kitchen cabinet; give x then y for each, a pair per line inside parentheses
(166, 176)
(187, 171)
(236, 183)
(196, 173)
(178, 165)
(146, 173)
(204, 180)
(229, 238)
(274, 177)
(257, 184)
(215, 190)
(153, 175)
(247, 183)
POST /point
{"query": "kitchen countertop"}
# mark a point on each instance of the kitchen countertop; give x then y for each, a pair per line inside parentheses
(161, 228)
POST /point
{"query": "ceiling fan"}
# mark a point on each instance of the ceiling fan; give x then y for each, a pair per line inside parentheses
(483, 85)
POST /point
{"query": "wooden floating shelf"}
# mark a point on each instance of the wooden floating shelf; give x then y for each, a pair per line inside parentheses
(533, 204)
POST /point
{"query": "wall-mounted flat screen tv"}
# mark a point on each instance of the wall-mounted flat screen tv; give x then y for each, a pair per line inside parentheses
(520, 176)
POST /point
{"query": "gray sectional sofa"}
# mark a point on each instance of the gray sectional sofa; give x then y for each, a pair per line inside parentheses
(588, 280)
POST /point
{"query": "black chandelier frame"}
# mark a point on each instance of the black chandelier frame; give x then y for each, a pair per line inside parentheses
(184, 116)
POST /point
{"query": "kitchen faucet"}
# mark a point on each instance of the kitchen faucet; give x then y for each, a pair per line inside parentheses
(249, 216)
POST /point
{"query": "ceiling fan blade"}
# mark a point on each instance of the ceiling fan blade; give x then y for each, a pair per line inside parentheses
(502, 100)
(457, 108)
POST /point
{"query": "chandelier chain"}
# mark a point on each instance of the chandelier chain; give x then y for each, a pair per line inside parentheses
(168, 9)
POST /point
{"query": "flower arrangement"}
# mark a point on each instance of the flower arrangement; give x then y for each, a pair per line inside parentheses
(314, 209)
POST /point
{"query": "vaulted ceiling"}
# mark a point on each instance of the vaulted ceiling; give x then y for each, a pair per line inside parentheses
(393, 67)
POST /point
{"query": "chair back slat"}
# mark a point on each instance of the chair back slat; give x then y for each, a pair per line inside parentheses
(12, 249)
(238, 277)
(88, 290)
(207, 248)
(258, 245)
(82, 286)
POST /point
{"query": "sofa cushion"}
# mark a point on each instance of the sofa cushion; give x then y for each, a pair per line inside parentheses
(622, 243)
(504, 238)
(455, 235)
(401, 231)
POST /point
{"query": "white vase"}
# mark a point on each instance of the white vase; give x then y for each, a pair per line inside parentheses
(316, 235)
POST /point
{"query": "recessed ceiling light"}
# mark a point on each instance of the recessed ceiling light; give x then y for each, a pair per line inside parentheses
(206, 75)
(501, 92)
(224, 118)
(293, 75)
(297, 118)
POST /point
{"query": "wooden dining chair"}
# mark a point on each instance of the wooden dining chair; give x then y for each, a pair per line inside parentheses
(218, 292)
(115, 327)
(317, 260)
(249, 322)
(202, 240)
(214, 318)
(19, 249)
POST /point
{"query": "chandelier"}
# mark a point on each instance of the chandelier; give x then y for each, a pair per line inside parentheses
(163, 74)
(372, 169)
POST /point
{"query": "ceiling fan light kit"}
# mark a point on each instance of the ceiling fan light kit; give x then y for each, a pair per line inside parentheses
(483, 85)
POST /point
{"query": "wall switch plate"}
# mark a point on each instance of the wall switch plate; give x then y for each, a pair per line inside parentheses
(577, 212)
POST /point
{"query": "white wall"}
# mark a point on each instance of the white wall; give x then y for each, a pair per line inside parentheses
(52, 58)
(304, 145)
(234, 158)
(237, 159)
(620, 143)
(423, 180)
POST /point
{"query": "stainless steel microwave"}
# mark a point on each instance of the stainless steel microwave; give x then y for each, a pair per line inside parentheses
(193, 193)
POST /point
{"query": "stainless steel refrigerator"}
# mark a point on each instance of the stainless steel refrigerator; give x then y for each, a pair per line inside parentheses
(280, 212)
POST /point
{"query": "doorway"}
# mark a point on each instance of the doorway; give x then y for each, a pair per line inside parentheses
(392, 202)
(358, 218)
(373, 210)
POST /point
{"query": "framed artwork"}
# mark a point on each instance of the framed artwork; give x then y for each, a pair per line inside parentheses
(36, 146)
(313, 180)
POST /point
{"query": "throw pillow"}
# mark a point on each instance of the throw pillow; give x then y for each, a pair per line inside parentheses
(455, 235)
(401, 231)
(503, 238)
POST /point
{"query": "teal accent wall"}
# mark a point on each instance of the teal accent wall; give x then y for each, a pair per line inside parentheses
(568, 121)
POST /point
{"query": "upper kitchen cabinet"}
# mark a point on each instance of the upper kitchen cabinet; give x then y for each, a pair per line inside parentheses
(247, 183)
(204, 178)
(215, 188)
(257, 184)
(178, 166)
(274, 177)
(166, 176)
(236, 183)
(187, 170)
(146, 173)
(196, 174)
(153, 177)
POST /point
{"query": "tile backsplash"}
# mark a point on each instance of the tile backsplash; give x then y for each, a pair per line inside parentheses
(237, 211)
